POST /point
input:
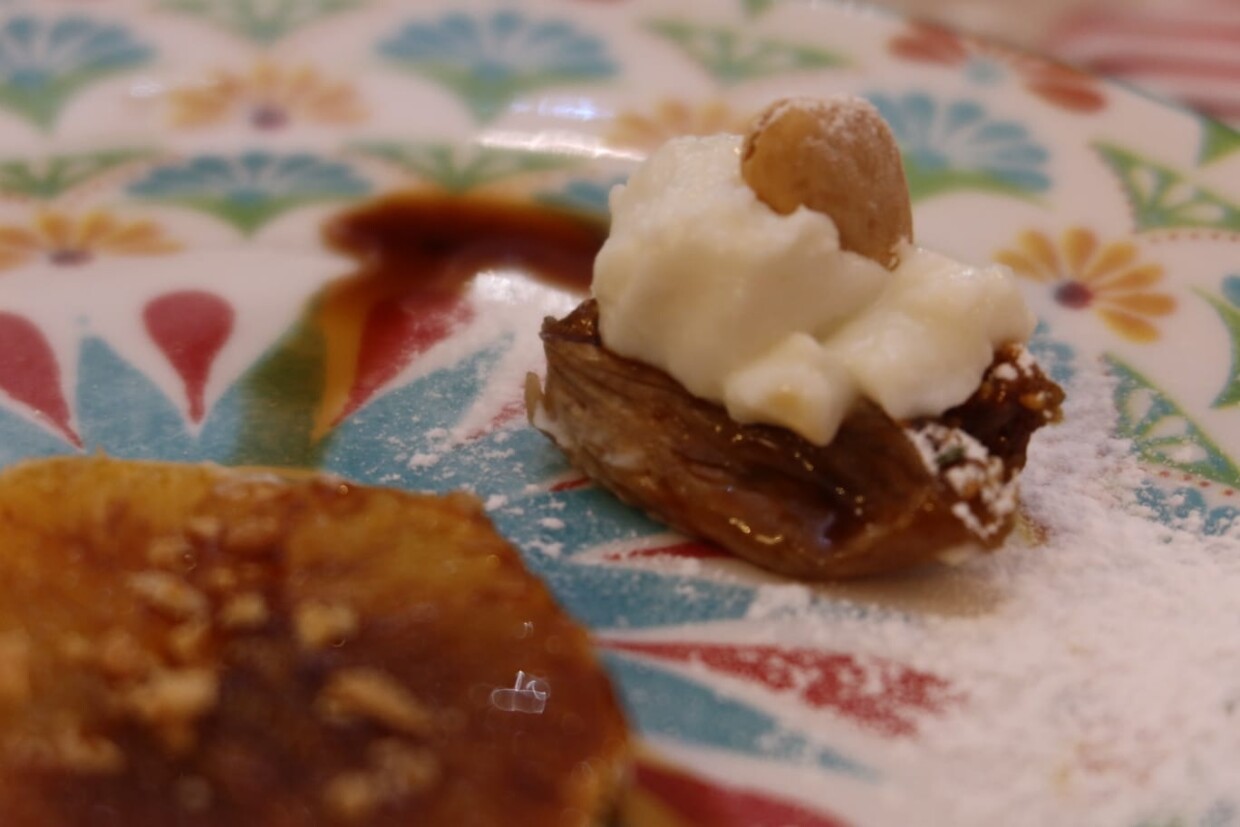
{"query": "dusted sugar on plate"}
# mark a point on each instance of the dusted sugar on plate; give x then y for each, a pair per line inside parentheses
(770, 363)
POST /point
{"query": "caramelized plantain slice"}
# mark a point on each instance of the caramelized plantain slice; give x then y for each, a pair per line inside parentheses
(198, 646)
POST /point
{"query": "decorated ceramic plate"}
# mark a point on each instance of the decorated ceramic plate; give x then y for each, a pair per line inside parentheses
(168, 290)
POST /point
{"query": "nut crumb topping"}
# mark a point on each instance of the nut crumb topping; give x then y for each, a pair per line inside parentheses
(147, 677)
(187, 642)
(361, 692)
(987, 494)
(204, 528)
(253, 535)
(220, 579)
(244, 612)
(169, 551)
(324, 624)
(168, 594)
(172, 700)
(87, 754)
(396, 770)
(67, 749)
(122, 657)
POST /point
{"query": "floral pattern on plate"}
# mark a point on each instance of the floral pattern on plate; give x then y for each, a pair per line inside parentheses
(213, 346)
(269, 96)
(956, 145)
(488, 61)
(250, 189)
(45, 61)
(1084, 274)
(66, 240)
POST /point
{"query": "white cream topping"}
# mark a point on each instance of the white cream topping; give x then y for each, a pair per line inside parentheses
(765, 314)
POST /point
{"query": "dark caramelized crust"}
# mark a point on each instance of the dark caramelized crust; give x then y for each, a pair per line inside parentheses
(882, 495)
(192, 646)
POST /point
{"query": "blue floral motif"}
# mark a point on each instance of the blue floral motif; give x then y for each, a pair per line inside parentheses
(1187, 508)
(489, 61)
(984, 71)
(1055, 357)
(250, 189)
(43, 63)
(1231, 289)
(955, 145)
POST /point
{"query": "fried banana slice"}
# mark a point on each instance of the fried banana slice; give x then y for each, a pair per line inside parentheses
(198, 646)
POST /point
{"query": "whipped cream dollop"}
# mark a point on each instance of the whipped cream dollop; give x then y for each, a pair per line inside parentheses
(766, 315)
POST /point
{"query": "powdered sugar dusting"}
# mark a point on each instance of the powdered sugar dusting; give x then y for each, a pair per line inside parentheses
(1101, 685)
(971, 472)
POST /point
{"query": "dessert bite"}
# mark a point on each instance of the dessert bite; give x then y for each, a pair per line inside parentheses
(198, 646)
(769, 362)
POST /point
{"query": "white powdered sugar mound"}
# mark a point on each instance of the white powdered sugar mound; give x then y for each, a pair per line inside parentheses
(1102, 687)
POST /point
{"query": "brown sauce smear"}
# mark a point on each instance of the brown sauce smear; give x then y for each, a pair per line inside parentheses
(417, 254)
(437, 243)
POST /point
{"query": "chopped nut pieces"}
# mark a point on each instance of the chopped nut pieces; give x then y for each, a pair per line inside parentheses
(987, 495)
(122, 657)
(87, 754)
(220, 579)
(151, 689)
(67, 749)
(172, 700)
(168, 594)
(244, 612)
(396, 770)
(187, 642)
(324, 624)
(253, 535)
(375, 696)
(169, 552)
(204, 528)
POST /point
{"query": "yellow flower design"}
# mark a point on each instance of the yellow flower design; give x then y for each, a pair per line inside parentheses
(671, 118)
(268, 96)
(1085, 274)
(64, 240)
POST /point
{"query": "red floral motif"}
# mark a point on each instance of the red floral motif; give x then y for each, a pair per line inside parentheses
(190, 327)
(879, 695)
(1055, 83)
(397, 331)
(30, 375)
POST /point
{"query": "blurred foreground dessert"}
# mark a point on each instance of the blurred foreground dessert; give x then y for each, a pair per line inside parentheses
(768, 361)
(188, 645)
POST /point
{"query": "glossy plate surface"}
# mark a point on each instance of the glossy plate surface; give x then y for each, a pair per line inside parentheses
(167, 168)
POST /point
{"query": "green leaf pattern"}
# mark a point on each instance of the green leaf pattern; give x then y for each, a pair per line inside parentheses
(1162, 198)
(458, 168)
(1162, 433)
(262, 21)
(1218, 140)
(52, 177)
(1230, 315)
(732, 56)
